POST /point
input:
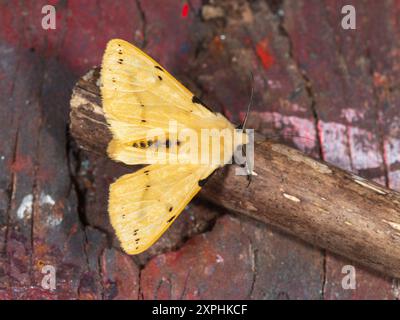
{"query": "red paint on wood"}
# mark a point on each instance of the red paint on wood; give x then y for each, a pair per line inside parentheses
(22, 163)
(203, 268)
(185, 10)
(263, 52)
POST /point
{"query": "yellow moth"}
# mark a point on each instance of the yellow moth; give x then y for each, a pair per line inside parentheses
(148, 111)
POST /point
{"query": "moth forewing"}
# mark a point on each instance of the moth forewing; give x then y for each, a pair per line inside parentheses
(154, 120)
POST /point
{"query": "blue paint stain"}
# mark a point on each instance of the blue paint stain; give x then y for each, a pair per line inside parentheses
(184, 49)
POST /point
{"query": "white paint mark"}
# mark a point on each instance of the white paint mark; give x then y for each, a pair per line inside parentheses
(219, 259)
(25, 208)
(290, 197)
(46, 199)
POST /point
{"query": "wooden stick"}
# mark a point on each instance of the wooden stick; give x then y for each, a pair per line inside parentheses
(315, 201)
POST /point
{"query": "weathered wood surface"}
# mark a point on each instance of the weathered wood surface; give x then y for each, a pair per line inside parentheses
(337, 88)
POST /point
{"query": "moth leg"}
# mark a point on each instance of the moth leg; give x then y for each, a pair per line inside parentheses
(249, 179)
(245, 165)
(248, 175)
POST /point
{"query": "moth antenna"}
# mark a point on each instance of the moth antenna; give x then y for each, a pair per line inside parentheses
(243, 125)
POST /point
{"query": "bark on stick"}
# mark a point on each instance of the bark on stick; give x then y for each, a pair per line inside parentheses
(315, 201)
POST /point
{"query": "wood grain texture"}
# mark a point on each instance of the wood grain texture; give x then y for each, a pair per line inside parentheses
(315, 201)
(329, 92)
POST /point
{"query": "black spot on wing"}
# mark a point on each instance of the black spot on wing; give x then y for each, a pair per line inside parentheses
(170, 219)
(198, 101)
(143, 145)
(159, 68)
